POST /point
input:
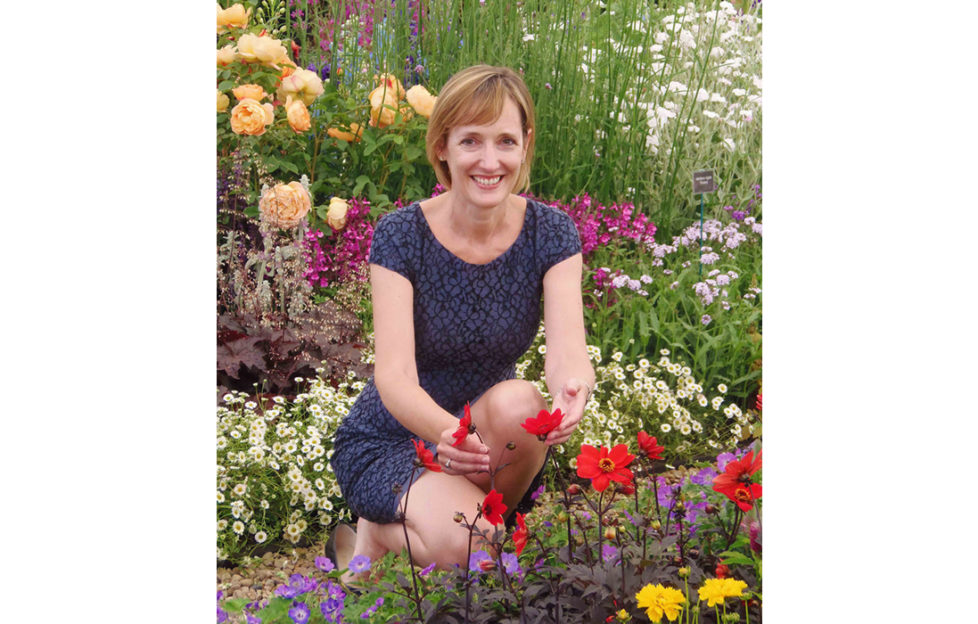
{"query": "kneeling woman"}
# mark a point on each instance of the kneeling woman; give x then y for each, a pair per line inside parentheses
(456, 284)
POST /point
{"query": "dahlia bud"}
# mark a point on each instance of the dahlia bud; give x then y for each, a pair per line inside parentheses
(573, 489)
(396, 488)
(511, 446)
(458, 517)
(610, 533)
(656, 525)
(684, 572)
(711, 508)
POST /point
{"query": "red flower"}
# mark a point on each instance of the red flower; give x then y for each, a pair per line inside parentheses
(544, 423)
(425, 458)
(735, 482)
(464, 427)
(649, 446)
(757, 403)
(493, 507)
(520, 535)
(722, 571)
(627, 488)
(602, 466)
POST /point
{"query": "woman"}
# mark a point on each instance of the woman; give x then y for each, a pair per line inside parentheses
(456, 285)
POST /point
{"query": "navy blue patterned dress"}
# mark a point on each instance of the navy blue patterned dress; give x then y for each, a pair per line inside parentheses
(472, 322)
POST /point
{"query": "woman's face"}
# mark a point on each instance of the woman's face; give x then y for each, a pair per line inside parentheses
(485, 160)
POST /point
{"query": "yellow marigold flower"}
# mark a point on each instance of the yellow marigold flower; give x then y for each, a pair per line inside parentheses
(715, 591)
(658, 601)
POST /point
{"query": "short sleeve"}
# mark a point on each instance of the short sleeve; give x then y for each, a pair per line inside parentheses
(395, 237)
(557, 237)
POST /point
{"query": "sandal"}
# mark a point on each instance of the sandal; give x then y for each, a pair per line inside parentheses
(339, 549)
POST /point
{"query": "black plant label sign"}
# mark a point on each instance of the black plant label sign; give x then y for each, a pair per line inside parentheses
(703, 182)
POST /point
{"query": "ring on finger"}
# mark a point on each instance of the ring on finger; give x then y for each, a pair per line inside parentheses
(448, 463)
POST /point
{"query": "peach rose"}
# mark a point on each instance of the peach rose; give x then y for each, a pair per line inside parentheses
(250, 91)
(422, 101)
(269, 113)
(298, 116)
(383, 106)
(248, 117)
(301, 84)
(233, 17)
(392, 83)
(255, 49)
(222, 101)
(227, 55)
(285, 205)
(336, 214)
(351, 136)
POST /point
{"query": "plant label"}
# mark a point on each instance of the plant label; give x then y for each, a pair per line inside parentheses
(703, 182)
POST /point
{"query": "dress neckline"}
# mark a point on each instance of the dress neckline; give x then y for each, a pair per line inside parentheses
(431, 233)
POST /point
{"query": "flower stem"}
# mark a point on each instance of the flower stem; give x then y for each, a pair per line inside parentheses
(407, 543)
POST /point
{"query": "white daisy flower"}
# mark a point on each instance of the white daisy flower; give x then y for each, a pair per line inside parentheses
(722, 388)
(240, 489)
(665, 427)
(238, 527)
(261, 536)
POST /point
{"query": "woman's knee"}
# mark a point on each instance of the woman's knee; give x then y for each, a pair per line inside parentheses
(513, 401)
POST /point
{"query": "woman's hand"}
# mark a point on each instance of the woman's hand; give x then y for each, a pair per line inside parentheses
(469, 457)
(571, 399)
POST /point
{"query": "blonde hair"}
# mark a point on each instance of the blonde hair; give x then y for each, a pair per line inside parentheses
(476, 95)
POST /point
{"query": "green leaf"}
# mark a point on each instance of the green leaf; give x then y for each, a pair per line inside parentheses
(234, 605)
(361, 182)
(736, 558)
(226, 85)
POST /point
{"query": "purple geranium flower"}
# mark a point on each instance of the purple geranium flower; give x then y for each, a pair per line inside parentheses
(299, 613)
(369, 612)
(360, 563)
(222, 615)
(511, 563)
(251, 618)
(704, 476)
(476, 559)
(537, 492)
(427, 570)
(723, 459)
(608, 552)
(325, 564)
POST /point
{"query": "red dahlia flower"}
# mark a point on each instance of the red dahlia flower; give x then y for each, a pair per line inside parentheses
(520, 535)
(757, 403)
(493, 507)
(544, 423)
(602, 466)
(464, 427)
(735, 482)
(649, 445)
(425, 458)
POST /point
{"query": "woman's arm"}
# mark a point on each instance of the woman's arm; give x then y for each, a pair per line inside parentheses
(569, 373)
(396, 372)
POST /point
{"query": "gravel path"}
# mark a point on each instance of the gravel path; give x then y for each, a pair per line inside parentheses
(259, 580)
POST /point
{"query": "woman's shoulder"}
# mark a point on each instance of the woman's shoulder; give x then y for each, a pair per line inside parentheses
(548, 217)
